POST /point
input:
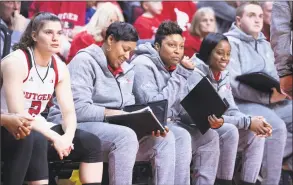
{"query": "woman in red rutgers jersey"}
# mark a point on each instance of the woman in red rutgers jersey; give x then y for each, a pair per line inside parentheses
(30, 76)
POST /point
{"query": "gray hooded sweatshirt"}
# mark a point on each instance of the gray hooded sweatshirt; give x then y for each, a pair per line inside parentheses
(154, 82)
(249, 55)
(222, 86)
(94, 87)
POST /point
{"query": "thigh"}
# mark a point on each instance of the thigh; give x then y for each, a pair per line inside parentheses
(109, 134)
(227, 130)
(87, 147)
(254, 109)
(284, 111)
(179, 132)
(246, 137)
(198, 139)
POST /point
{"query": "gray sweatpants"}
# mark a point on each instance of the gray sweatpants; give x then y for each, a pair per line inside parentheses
(251, 146)
(279, 144)
(205, 155)
(121, 149)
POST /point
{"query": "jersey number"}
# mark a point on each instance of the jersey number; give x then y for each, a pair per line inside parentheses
(35, 108)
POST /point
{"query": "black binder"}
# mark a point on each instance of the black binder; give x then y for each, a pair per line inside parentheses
(259, 81)
(142, 122)
(203, 101)
(159, 108)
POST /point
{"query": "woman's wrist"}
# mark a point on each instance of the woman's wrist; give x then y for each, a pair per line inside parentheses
(5, 118)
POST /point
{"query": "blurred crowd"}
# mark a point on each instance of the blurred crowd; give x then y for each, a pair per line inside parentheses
(85, 22)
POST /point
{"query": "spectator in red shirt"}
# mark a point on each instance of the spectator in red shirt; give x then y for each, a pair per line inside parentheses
(147, 24)
(95, 30)
(71, 13)
(178, 11)
(203, 23)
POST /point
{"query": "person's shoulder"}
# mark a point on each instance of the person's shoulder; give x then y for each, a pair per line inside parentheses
(142, 21)
(265, 42)
(233, 40)
(18, 56)
(91, 53)
(191, 40)
(15, 63)
(60, 64)
(139, 18)
(84, 37)
(142, 60)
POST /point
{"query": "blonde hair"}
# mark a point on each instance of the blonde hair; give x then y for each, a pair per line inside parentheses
(197, 17)
(100, 19)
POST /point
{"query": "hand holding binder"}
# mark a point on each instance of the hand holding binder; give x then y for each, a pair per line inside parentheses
(202, 102)
(159, 108)
(276, 96)
(113, 112)
(159, 133)
(215, 122)
(259, 81)
(142, 121)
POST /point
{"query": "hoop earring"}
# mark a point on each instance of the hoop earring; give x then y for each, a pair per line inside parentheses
(109, 49)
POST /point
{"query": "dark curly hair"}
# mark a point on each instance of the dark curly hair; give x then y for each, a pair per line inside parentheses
(167, 28)
(35, 25)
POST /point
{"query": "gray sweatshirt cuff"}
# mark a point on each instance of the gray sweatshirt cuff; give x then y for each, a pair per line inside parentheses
(91, 114)
(285, 72)
(247, 122)
(181, 70)
(239, 122)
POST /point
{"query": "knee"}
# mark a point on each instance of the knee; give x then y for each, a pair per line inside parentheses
(213, 137)
(167, 143)
(26, 143)
(91, 145)
(169, 139)
(92, 141)
(280, 127)
(182, 138)
(257, 143)
(128, 136)
(210, 141)
(230, 134)
(279, 130)
(28, 140)
(40, 142)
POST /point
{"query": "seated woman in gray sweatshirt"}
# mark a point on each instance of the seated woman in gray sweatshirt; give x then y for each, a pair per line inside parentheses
(212, 59)
(101, 83)
(161, 72)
